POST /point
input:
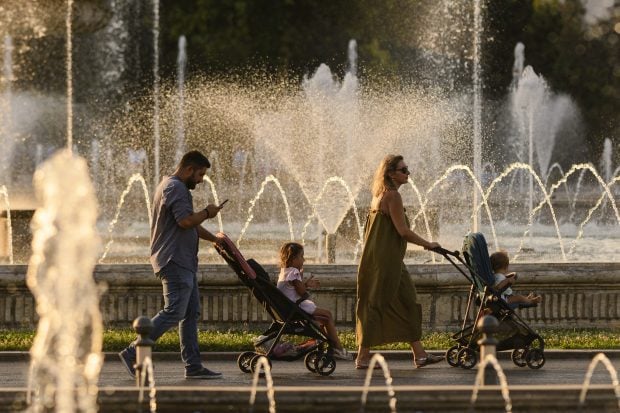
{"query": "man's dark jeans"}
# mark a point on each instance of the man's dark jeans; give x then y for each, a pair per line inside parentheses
(182, 308)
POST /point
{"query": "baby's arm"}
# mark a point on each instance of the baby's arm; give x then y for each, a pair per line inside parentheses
(502, 285)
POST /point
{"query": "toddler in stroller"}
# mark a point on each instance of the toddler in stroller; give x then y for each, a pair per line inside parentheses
(513, 332)
(504, 281)
(288, 319)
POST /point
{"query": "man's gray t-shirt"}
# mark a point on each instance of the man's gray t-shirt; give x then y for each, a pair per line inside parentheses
(169, 242)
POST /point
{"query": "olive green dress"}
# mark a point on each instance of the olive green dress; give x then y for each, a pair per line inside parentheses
(386, 310)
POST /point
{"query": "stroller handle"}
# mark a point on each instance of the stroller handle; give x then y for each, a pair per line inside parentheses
(444, 252)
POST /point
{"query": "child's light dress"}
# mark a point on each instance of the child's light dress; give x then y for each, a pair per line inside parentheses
(285, 284)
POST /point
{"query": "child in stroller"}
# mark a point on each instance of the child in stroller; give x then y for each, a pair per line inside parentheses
(504, 280)
(291, 283)
(288, 320)
(513, 332)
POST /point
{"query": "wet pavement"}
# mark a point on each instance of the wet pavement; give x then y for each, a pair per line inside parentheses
(561, 368)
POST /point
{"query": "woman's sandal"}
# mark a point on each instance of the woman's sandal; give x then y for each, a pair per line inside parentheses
(363, 365)
(425, 361)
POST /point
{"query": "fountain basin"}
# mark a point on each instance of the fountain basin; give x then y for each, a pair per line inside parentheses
(338, 399)
(575, 295)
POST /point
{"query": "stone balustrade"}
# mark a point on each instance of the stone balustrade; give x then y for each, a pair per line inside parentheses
(575, 295)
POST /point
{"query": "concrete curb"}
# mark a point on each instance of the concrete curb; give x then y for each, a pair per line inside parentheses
(24, 356)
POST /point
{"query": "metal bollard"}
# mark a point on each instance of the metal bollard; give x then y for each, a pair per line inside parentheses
(144, 345)
(487, 326)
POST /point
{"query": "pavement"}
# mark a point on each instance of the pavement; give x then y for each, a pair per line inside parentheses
(562, 367)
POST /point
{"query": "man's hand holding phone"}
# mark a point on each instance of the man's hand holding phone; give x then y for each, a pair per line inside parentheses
(212, 209)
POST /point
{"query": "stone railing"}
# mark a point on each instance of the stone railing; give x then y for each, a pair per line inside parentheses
(575, 295)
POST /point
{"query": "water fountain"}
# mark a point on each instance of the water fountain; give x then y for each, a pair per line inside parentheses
(66, 353)
(321, 140)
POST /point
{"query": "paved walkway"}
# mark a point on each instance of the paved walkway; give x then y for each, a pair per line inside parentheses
(561, 368)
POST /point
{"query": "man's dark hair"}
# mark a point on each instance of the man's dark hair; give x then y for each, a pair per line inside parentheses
(194, 158)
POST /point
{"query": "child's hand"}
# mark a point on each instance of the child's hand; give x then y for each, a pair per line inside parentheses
(312, 283)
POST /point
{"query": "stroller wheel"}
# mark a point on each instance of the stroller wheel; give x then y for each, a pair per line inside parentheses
(518, 357)
(310, 360)
(452, 356)
(254, 363)
(535, 358)
(244, 360)
(467, 358)
(324, 364)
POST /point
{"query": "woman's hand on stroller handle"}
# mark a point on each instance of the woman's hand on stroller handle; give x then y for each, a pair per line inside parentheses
(442, 251)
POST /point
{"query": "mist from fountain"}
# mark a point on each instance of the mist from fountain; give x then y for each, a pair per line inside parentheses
(334, 128)
(606, 163)
(540, 116)
(69, 71)
(5, 108)
(65, 357)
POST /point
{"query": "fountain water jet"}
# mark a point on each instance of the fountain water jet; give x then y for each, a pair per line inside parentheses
(273, 179)
(9, 229)
(66, 352)
(147, 376)
(181, 65)
(492, 360)
(380, 360)
(599, 358)
(112, 224)
(262, 365)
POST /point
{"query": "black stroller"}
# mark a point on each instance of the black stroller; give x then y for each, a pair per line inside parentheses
(288, 319)
(513, 333)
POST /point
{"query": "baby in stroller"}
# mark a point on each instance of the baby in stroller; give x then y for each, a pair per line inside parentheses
(513, 333)
(291, 283)
(504, 280)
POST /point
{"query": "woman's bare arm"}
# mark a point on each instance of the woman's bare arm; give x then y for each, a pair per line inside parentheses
(393, 202)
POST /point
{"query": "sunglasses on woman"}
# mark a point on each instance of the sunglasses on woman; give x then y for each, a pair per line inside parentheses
(403, 170)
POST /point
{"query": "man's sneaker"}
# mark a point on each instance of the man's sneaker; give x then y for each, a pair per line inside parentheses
(342, 354)
(128, 362)
(203, 374)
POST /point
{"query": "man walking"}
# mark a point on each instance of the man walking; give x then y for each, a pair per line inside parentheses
(175, 231)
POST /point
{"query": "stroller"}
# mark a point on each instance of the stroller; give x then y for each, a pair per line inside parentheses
(513, 333)
(288, 319)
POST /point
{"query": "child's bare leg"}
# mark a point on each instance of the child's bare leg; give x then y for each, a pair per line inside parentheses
(330, 326)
